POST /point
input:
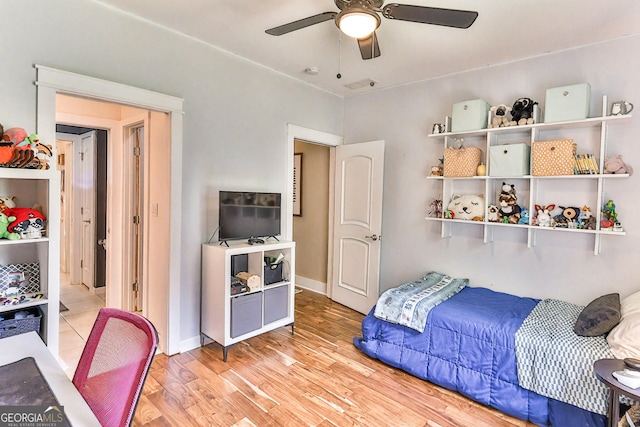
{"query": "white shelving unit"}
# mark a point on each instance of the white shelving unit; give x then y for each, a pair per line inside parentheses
(531, 189)
(30, 187)
(227, 318)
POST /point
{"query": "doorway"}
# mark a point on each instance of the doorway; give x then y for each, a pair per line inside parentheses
(164, 195)
(311, 220)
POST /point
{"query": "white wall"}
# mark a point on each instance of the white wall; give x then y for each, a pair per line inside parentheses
(562, 265)
(236, 113)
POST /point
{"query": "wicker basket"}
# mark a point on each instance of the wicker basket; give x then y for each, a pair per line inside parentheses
(11, 326)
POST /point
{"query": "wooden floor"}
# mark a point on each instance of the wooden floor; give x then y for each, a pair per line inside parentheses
(315, 377)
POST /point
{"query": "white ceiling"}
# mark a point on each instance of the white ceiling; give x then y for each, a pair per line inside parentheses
(504, 31)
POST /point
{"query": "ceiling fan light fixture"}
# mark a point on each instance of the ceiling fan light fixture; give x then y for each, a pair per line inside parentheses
(357, 22)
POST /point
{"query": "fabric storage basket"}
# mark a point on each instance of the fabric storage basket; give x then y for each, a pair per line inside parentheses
(566, 103)
(12, 326)
(461, 161)
(509, 160)
(469, 115)
(553, 157)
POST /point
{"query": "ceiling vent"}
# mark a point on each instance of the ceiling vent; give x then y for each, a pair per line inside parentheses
(360, 84)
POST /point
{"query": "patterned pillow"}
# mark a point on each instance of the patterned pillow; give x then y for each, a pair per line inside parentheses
(599, 317)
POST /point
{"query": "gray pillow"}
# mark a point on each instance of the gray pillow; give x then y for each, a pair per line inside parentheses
(599, 317)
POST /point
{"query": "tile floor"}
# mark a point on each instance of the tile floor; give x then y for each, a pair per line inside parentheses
(76, 323)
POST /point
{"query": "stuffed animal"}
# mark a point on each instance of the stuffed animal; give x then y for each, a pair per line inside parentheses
(524, 216)
(14, 135)
(468, 206)
(7, 202)
(522, 111)
(543, 217)
(508, 188)
(499, 116)
(28, 223)
(509, 210)
(492, 213)
(616, 165)
(586, 220)
(4, 225)
(568, 218)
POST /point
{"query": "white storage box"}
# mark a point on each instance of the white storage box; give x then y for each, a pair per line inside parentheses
(469, 115)
(509, 160)
(567, 103)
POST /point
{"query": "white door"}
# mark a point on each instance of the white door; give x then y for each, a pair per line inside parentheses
(357, 224)
(87, 209)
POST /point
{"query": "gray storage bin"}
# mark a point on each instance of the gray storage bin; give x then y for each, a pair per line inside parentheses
(276, 304)
(11, 326)
(246, 314)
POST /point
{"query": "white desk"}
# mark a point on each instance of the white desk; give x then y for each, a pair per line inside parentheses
(30, 345)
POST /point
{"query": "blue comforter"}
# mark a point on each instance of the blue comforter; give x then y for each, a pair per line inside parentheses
(468, 346)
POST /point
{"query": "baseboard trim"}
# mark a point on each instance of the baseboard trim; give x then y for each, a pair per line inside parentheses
(311, 285)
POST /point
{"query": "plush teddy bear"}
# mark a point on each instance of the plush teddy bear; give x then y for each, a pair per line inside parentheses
(616, 165)
(468, 206)
(522, 111)
(499, 116)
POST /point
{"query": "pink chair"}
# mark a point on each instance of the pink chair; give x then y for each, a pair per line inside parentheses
(114, 365)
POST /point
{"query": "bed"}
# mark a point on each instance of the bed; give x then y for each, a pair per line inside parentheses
(468, 345)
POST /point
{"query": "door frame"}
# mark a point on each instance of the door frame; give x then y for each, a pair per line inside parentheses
(51, 81)
(315, 137)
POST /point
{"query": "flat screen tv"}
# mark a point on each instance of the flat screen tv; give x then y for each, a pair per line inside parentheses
(245, 215)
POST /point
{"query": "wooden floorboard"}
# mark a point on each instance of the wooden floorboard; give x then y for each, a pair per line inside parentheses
(315, 377)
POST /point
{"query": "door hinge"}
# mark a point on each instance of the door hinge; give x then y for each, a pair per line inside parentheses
(134, 286)
(136, 219)
(81, 263)
(136, 151)
(81, 211)
(82, 157)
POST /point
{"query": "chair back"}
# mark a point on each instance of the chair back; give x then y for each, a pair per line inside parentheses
(114, 365)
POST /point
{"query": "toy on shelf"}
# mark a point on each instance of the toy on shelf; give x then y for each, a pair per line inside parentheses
(21, 150)
(568, 218)
(492, 213)
(543, 217)
(609, 219)
(509, 211)
(522, 111)
(28, 223)
(468, 207)
(4, 225)
(436, 208)
(615, 165)
(499, 119)
(524, 216)
(586, 220)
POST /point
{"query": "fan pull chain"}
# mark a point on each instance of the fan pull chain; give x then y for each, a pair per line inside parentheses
(339, 76)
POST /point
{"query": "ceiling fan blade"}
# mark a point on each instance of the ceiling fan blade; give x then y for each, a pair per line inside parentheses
(430, 15)
(301, 23)
(369, 47)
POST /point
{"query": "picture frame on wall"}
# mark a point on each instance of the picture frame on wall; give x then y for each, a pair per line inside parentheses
(297, 184)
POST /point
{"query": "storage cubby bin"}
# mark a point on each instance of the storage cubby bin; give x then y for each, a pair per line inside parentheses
(275, 304)
(11, 326)
(246, 314)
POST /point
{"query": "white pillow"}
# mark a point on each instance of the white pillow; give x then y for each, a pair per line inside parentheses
(624, 339)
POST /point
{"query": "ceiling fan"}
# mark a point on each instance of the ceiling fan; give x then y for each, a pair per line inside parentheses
(359, 19)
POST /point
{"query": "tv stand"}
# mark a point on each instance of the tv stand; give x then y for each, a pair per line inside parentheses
(229, 318)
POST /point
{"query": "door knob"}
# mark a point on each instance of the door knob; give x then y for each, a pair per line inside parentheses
(373, 237)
